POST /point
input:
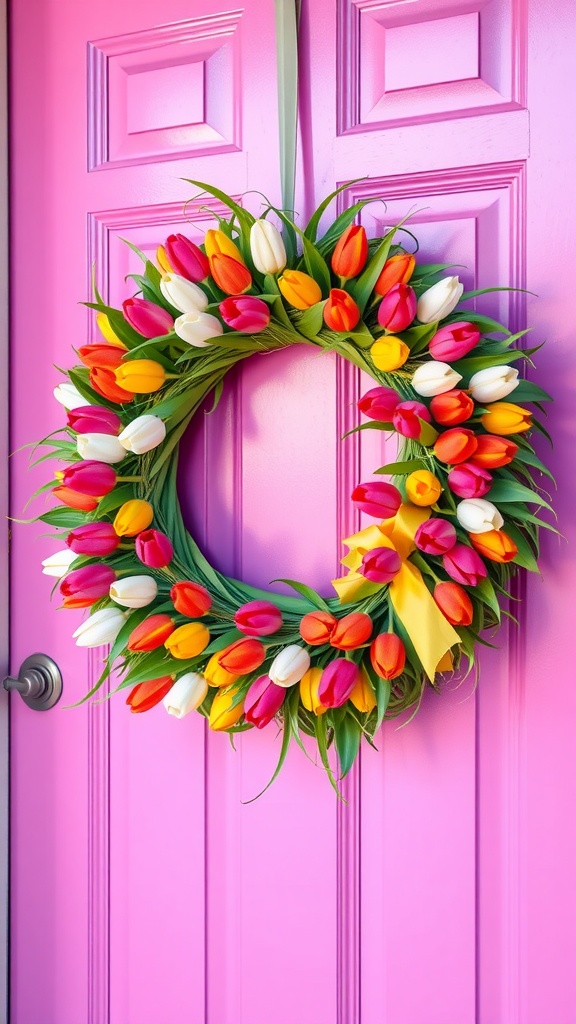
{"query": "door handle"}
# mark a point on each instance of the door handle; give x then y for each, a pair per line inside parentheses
(39, 682)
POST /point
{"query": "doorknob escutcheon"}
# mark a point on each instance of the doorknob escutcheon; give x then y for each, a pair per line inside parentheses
(39, 682)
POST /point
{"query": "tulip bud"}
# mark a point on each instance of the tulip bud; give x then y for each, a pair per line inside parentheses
(378, 499)
(289, 666)
(476, 515)
(154, 549)
(185, 258)
(143, 434)
(82, 587)
(406, 418)
(224, 713)
(217, 243)
(299, 289)
(469, 481)
(190, 599)
(151, 633)
(309, 685)
(74, 499)
(258, 618)
(351, 252)
(388, 656)
(435, 536)
(133, 517)
(262, 702)
(100, 628)
(493, 383)
(245, 313)
(397, 270)
(316, 628)
(59, 563)
(457, 445)
(351, 631)
(96, 539)
(454, 341)
(105, 328)
(495, 545)
(506, 418)
(423, 488)
(439, 300)
(434, 378)
(103, 382)
(218, 676)
(398, 308)
(141, 376)
(134, 591)
(380, 565)
(68, 395)
(243, 656)
(183, 294)
(464, 565)
(451, 407)
(341, 312)
(162, 260)
(231, 276)
(267, 248)
(454, 604)
(186, 695)
(362, 696)
(148, 319)
(493, 452)
(146, 695)
(379, 404)
(92, 478)
(94, 419)
(389, 353)
(100, 448)
(196, 328)
(188, 641)
(337, 682)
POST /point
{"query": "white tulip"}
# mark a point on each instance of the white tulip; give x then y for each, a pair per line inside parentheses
(289, 666)
(493, 383)
(267, 247)
(182, 294)
(439, 300)
(100, 628)
(143, 434)
(477, 515)
(434, 378)
(196, 328)
(69, 396)
(134, 591)
(101, 447)
(59, 563)
(186, 695)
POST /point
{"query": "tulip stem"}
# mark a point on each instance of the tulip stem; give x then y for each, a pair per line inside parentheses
(172, 376)
(128, 479)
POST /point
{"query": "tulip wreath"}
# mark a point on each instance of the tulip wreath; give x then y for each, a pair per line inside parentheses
(419, 585)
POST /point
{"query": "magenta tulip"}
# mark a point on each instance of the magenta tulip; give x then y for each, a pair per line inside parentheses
(154, 549)
(263, 700)
(407, 416)
(147, 318)
(464, 565)
(82, 587)
(381, 565)
(337, 682)
(186, 258)
(435, 536)
(398, 308)
(258, 618)
(469, 481)
(90, 477)
(245, 313)
(379, 404)
(94, 419)
(93, 539)
(377, 499)
(454, 341)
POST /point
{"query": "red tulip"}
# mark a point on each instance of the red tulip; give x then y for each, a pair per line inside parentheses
(103, 382)
(154, 549)
(94, 419)
(230, 275)
(245, 313)
(82, 587)
(351, 252)
(93, 539)
(457, 445)
(150, 320)
(190, 599)
(398, 308)
(379, 404)
(454, 603)
(388, 655)
(435, 536)
(492, 451)
(381, 565)
(146, 695)
(243, 656)
(74, 499)
(263, 700)
(351, 631)
(90, 477)
(151, 633)
(186, 259)
(341, 312)
(406, 418)
(258, 618)
(452, 407)
(101, 355)
(454, 341)
(316, 628)
(464, 565)
(337, 682)
(378, 499)
(469, 481)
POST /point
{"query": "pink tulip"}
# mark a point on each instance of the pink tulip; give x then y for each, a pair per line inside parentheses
(381, 565)
(93, 539)
(377, 499)
(263, 700)
(435, 536)
(379, 404)
(407, 416)
(94, 419)
(258, 618)
(82, 587)
(186, 258)
(154, 549)
(337, 682)
(454, 341)
(147, 318)
(245, 313)
(469, 481)
(464, 565)
(398, 308)
(90, 477)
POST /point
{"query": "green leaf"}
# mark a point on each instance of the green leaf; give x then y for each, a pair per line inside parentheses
(528, 456)
(320, 731)
(312, 226)
(526, 391)
(502, 491)
(373, 425)
(418, 338)
(301, 588)
(316, 266)
(310, 322)
(347, 735)
(222, 641)
(525, 556)
(428, 435)
(65, 517)
(362, 288)
(119, 325)
(245, 219)
(402, 468)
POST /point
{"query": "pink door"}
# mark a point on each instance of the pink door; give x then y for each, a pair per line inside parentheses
(144, 891)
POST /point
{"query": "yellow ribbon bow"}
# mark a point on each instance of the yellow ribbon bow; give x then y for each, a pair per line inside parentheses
(431, 634)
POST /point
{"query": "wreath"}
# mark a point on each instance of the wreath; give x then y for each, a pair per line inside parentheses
(452, 519)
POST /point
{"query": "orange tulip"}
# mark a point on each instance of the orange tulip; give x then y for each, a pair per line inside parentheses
(190, 599)
(230, 275)
(101, 355)
(352, 631)
(363, 696)
(493, 452)
(242, 656)
(457, 445)
(215, 675)
(495, 545)
(151, 633)
(341, 312)
(188, 641)
(454, 603)
(145, 695)
(397, 270)
(103, 381)
(222, 714)
(82, 502)
(351, 252)
(317, 627)
(299, 289)
(506, 418)
(388, 655)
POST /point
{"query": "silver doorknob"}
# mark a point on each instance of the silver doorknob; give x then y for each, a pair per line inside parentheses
(39, 682)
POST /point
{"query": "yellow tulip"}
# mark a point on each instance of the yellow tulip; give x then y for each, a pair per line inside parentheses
(140, 376)
(309, 691)
(133, 517)
(389, 353)
(299, 289)
(222, 714)
(363, 696)
(215, 675)
(188, 641)
(163, 261)
(423, 488)
(506, 418)
(217, 242)
(107, 332)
